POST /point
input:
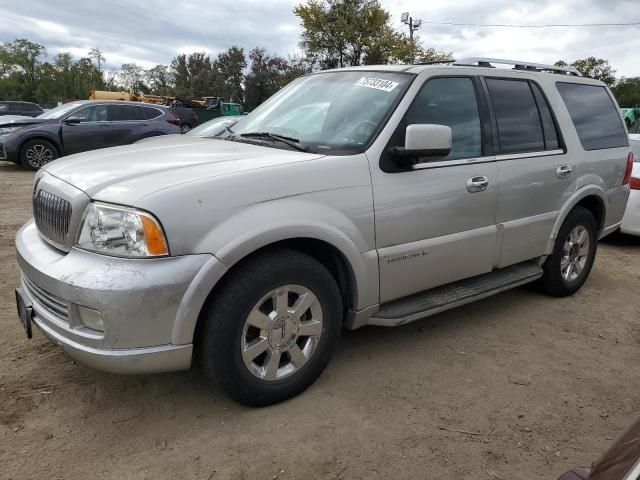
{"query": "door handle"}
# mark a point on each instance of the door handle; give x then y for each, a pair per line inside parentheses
(477, 184)
(564, 171)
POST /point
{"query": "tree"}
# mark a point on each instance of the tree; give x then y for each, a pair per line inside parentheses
(355, 32)
(228, 74)
(627, 92)
(340, 32)
(24, 56)
(592, 67)
(180, 74)
(131, 75)
(159, 80)
(266, 76)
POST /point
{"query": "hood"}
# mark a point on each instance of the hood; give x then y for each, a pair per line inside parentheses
(126, 174)
(6, 120)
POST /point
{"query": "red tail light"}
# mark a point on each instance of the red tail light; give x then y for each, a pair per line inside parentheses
(629, 170)
(634, 183)
(176, 121)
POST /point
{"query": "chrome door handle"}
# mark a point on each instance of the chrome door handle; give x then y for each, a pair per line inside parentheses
(477, 184)
(564, 171)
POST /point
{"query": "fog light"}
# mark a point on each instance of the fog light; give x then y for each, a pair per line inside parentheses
(91, 318)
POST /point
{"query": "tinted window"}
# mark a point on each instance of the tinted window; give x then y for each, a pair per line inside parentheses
(594, 115)
(94, 113)
(149, 113)
(635, 148)
(119, 113)
(451, 102)
(519, 127)
(548, 126)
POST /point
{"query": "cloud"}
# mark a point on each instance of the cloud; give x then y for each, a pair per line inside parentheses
(154, 31)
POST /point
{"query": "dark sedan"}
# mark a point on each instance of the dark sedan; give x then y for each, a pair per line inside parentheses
(80, 126)
(26, 109)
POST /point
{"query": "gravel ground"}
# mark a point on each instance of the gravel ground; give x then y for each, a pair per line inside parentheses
(518, 386)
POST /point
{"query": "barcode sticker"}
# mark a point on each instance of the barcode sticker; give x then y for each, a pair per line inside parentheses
(377, 83)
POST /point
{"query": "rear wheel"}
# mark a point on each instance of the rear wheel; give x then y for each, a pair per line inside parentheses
(37, 153)
(574, 252)
(271, 329)
(185, 127)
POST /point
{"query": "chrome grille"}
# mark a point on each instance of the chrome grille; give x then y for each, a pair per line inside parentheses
(52, 215)
(52, 304)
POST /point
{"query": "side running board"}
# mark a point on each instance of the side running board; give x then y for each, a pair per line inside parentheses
(425, 304)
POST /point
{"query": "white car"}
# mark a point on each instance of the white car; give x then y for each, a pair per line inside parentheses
(631, 219)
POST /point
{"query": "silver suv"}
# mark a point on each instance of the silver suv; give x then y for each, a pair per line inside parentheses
(360, 196)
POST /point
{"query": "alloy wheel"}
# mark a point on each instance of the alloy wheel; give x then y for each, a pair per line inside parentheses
(281, 332)
(575, 253)
(38, 155)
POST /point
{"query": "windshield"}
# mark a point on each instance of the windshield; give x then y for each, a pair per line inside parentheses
(60, 111)
(213, 128)
(335, 113)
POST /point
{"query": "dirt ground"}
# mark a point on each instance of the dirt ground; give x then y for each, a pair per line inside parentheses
(518, 386)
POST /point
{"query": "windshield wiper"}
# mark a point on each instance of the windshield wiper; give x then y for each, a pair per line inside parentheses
(292, 142)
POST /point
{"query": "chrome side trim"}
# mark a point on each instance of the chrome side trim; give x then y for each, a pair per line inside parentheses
(516, 156)
(493, 158)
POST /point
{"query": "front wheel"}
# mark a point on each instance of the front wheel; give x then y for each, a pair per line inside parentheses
(37, 153)
(574, 252)
(271, 329)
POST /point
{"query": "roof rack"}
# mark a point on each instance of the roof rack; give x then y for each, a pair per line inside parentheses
(517, 65)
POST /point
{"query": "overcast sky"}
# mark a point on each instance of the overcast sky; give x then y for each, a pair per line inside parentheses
(153, 31)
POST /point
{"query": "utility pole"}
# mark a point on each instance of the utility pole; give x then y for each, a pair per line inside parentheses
(413, 26)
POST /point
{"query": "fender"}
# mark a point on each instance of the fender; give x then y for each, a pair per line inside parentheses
(231, 241)
(581, 193)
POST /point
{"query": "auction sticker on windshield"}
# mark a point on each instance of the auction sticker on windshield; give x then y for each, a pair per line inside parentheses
(377, 83)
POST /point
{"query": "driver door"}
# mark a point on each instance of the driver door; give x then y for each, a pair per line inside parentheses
(91, 132)
(436, 222)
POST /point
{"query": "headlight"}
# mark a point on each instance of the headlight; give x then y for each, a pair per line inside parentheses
(8, 130)
(121, 231)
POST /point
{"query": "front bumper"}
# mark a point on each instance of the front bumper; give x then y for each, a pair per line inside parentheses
(149, 306)
(631, 219)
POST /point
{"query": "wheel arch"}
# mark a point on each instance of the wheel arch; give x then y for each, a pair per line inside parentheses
(349, 276)
(593, 198)
(40, 136)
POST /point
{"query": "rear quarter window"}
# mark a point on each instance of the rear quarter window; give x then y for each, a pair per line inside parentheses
(594, 115)
(149, 113)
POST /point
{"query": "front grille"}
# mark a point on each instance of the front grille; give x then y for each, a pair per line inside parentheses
(49, 302)
(53, 215)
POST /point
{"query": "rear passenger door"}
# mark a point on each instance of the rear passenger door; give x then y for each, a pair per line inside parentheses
(128, 124)
(536, 174)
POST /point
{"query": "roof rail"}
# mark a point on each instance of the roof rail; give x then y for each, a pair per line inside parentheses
(517, 65)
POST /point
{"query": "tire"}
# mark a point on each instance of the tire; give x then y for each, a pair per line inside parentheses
(37, 153)
(244, 314)
(185, 127)
(568, 267)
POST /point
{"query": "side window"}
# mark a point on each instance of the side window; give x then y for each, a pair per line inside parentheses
(519, 126)
(548, 126)
(594, 115)
(149, 113)
(452, 102)
(94, 113)
(122, 113)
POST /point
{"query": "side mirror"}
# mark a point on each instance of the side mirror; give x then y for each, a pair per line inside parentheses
(423, 143)
(73, 120)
